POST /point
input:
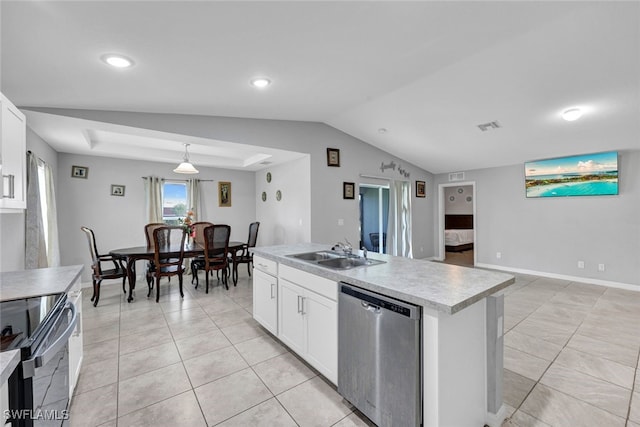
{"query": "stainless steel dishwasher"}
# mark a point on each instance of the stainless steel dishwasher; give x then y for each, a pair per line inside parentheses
(379, 356)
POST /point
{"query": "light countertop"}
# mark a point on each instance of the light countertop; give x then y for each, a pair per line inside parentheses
(446, 288)
(37, 282)
(8, 362)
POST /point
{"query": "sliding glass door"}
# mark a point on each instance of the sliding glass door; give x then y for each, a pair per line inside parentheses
(374, 217)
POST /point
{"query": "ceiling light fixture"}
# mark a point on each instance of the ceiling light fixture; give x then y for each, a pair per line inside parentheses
(572, 114)
(117, 61)
(260, 82)
(186, 166)
(382, 130)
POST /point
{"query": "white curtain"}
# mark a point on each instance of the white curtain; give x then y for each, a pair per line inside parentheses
(153, 198)
(399, 228)
(42, 247)
(193, 197)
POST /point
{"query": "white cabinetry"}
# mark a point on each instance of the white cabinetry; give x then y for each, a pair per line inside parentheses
(308, 318)
(265, 295)
(12, 156)
(75, 341)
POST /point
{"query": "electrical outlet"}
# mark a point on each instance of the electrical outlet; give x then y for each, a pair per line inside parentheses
(580, 264)
(600, 267)
(498, 255)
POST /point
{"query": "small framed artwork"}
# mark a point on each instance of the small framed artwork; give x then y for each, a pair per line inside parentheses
(421, 189)
(333, 157)
(79, 172)
(117, 190)
(224, 194)
(348, 190)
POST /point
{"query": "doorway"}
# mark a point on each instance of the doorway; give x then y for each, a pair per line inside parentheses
(374, 217)
(457, 223)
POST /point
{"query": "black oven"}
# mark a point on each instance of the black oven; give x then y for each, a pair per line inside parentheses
(40, 328)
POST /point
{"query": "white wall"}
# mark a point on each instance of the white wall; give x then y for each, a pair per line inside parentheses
(327, 204)
(12, 225)
(551, 235)
(289, 220)
(459, 205)
(119, 221)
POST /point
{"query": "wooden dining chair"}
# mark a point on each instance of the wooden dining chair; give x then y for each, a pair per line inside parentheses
(216, 252)
(244, 256)
(168, 241)
(98, 274)
(198, 262)
(148, 234)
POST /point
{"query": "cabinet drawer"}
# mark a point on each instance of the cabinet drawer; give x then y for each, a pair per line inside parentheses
(266, 265)
(317, 284)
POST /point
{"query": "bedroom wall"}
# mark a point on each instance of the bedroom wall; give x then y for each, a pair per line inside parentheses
(328, 208)
(119, 222)
(550, 235)
(459, 205)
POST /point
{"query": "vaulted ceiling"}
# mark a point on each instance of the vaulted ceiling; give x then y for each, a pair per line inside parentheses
(413, 78)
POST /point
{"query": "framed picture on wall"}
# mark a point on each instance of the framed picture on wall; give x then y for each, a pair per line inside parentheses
(79, 172)
(224, 194)
(333, 157)
(421, 189)
(348, 190)
(117, 190)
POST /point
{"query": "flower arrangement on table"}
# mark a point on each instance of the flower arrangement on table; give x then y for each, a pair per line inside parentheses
(187, 223)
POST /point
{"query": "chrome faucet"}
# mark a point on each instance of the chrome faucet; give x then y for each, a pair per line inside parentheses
(364, 251)
(344, 247)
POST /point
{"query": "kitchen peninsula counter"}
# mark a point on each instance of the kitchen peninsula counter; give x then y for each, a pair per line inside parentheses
(443, 287)
(461, 324)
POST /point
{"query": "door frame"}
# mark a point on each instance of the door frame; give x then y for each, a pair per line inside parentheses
(441, 209)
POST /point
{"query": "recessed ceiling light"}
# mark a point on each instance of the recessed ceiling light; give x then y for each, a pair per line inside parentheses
(260, 82)
(117, 61)
(572, 114)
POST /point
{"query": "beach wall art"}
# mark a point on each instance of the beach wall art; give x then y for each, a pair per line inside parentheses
(583, 175)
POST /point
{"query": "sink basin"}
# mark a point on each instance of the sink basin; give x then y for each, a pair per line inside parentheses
(335, 260)
(346, 263)
(316, 256)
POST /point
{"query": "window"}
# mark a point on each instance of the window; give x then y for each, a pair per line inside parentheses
(174, 202)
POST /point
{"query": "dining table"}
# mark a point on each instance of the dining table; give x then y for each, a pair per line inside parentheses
(191, 250)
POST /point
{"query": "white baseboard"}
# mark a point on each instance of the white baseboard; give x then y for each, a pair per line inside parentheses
(496, 420)
(600, 282)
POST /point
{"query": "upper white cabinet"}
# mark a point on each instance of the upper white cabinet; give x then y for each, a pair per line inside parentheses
(13, 164)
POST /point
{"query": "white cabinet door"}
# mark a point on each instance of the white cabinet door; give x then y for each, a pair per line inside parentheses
(291, 320)
(265, 300)
(321, 316)
(12, 156)
(75, 343)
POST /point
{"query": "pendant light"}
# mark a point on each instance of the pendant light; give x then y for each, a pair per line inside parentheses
(185, 166)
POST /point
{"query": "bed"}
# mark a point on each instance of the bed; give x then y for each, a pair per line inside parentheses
(458, 233)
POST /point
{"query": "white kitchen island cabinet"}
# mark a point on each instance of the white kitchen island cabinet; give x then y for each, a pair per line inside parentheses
(265, 294)
(461, 325)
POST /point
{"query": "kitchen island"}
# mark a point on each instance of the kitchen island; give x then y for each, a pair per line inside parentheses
(462, 323)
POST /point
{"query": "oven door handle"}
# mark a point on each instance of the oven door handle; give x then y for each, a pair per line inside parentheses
(29, 366)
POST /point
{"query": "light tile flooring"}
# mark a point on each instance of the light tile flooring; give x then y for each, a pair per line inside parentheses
(194, 362)
(571, 354)
(571, 359)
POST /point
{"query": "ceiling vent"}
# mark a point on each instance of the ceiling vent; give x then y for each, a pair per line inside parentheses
(488, 126)
(456, 176)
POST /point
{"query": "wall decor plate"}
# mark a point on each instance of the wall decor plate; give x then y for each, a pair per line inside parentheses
(452, 198)
(268, 176)
(460, 190)
(264, 196)
(278, 195)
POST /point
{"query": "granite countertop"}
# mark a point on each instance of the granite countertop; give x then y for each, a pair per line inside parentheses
(8, 362)
(37, 282)
(443, 287)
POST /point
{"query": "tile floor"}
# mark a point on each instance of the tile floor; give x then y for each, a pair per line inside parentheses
(194, 362)
(571, 359)
(571, 354)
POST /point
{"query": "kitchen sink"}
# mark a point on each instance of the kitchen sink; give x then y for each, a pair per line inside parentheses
(336, 260)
